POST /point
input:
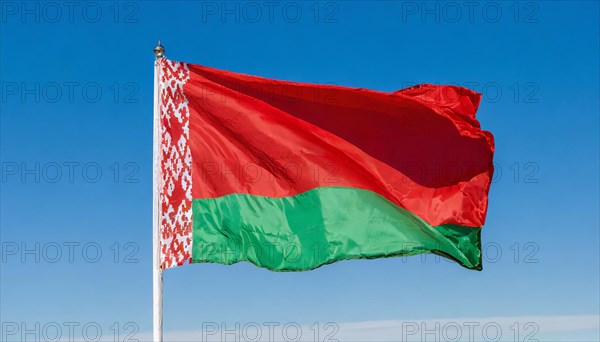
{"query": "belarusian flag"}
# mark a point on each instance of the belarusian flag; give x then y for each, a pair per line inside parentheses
(291, 176)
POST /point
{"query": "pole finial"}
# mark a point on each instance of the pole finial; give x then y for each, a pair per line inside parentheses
(159, 51)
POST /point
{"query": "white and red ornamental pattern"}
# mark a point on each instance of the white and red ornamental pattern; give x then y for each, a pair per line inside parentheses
(175, 166)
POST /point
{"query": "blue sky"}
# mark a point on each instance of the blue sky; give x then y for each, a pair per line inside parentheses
(76, 153)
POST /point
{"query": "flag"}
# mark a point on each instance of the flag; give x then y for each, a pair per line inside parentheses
(292, 176)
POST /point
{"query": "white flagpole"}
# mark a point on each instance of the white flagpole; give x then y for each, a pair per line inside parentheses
(157, 280)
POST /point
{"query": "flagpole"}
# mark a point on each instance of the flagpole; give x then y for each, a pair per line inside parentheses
(157, 280)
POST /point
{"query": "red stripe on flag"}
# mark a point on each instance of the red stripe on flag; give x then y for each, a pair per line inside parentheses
(420, 148)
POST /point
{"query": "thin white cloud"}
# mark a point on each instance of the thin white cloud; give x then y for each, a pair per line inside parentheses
(519, 328)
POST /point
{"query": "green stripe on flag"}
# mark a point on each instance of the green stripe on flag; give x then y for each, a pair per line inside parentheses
(320, 226)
